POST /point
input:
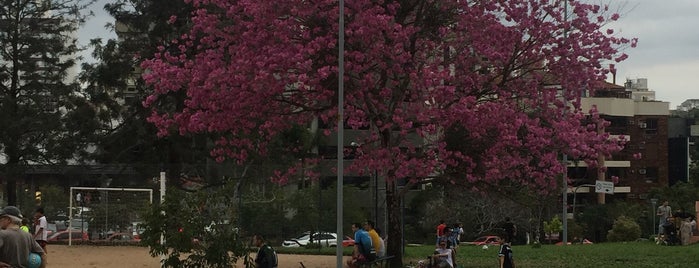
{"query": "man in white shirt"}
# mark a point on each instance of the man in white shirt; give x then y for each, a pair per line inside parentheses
(443, 256)
(664, 212)
(41, 228)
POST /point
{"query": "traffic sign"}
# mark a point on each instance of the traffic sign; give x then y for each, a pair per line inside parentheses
(606, 187)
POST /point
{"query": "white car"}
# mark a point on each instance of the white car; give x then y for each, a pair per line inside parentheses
(325, 239)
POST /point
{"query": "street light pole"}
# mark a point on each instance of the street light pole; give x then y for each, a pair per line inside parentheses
(340, 130)
(565, 156)
(654, 201)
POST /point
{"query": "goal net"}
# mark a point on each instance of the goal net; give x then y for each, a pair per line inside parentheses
(106, 214)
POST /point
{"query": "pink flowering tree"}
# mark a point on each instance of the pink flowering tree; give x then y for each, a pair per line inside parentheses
(471, 92)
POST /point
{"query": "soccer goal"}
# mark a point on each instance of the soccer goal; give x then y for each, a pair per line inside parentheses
(106, 214)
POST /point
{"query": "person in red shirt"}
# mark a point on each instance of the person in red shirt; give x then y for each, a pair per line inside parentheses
(440, 231)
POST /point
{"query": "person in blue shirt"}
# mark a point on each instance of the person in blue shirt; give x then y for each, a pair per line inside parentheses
(363, 248)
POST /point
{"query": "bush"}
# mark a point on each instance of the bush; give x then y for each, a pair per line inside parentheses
(624, 229)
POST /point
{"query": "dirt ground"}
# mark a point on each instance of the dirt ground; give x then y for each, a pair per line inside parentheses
(62, 256)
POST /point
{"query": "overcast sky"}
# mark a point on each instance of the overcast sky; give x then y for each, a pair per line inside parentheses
(668, 47)
(667, 53)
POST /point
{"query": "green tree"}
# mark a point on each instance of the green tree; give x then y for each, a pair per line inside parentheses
(192, 238)
(680, 196)
(553, 226)
(42, 110)
(114, 85)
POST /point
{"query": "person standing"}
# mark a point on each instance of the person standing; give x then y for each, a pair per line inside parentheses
(459, 230)
(685, 231)
(440, 231)
(41, 228)
(15, 244)
(664, 212)
(510, 229)
(266, 256)
(505, 254)
(25, 225)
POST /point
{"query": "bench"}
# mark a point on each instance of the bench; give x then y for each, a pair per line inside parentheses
(382, 262)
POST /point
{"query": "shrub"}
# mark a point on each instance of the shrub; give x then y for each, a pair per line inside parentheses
(553, 226)
(624, 229)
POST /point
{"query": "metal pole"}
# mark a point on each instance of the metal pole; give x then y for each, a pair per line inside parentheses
(565, 156)
(654, 202)
(376, 199)
(340, 129)
(106, 205)
(163, 181)
(402, 226)
(565, 199)
(70, 217)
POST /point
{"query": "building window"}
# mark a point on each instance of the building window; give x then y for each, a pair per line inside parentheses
(650, 174)
(651, 125)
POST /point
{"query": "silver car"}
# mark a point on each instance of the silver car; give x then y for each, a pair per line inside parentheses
(326, 239)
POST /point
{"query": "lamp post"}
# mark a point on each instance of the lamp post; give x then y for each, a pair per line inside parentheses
(654, 202)
(340, 129)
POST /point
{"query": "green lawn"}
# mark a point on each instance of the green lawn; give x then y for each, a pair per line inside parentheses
(626, 255)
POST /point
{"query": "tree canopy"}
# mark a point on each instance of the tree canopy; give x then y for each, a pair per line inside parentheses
(42, 110)
(503, 78)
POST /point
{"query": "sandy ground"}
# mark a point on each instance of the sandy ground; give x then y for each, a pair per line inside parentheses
(62, 256)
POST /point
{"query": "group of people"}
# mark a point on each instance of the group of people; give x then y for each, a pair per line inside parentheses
(368, 244)
(16, 243)
(674, 228)
(448, 239)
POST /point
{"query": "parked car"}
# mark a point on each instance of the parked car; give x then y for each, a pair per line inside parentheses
(325, 239)
(75, 235)
(123, 237)
(485, 240)
(583, 242)
(348, 241)
(51, 229)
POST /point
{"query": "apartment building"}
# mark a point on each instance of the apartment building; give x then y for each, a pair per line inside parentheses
(643, 122)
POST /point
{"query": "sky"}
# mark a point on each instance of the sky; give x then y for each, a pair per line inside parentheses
(668, 46)
(667, 53)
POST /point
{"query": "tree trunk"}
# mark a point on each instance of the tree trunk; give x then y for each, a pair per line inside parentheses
(12, 172)
(11, 190)
(395, 235)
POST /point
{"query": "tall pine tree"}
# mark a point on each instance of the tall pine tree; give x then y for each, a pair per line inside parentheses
(114, 85)
(40, 104)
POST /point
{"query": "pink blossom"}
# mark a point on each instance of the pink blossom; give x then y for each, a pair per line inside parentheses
(471, 98)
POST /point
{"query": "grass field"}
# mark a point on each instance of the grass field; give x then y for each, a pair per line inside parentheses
(631, 255)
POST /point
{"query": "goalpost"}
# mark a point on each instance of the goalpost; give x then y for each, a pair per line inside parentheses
(100, 212)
